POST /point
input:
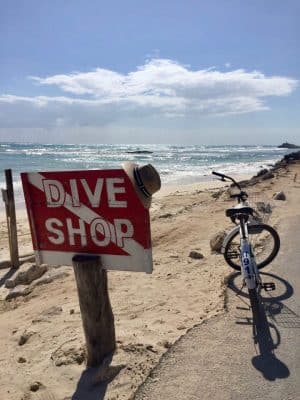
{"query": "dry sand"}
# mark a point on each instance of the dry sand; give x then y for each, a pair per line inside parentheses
(151, 311)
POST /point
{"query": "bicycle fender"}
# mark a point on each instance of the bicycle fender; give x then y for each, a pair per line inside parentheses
(233, 232)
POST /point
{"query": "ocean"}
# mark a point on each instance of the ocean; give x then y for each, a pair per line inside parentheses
(177, 164)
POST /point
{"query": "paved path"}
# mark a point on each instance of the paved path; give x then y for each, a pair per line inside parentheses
(225, 359)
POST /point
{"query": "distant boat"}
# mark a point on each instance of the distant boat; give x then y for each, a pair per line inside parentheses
(287, 145)
(139, 152)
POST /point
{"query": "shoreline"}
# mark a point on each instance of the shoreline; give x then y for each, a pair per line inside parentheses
(194, 174)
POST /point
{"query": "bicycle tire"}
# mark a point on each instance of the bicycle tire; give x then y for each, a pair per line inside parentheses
(232, 247)
(255, 304)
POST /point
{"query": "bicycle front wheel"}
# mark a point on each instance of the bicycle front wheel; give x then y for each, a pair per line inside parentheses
(265, 244)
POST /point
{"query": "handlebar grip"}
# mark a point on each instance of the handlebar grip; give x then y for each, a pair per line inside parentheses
(218, 174)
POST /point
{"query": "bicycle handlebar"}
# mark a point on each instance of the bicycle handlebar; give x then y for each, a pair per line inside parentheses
(227, 177)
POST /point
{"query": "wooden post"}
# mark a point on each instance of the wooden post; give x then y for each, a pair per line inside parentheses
(96, 313)
(11, 219)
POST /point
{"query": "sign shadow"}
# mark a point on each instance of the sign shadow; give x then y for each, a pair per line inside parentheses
(7, 275)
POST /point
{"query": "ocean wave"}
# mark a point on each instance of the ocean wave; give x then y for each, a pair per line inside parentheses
(176, 163)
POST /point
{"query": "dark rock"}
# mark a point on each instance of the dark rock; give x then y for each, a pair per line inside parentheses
(35, 386)
(25, 274)
(165, 343)
(292, 157)
(279, 196)
(18, 291)
(287, 145)
(217, 194)
(264, 207)
(268, 175)
(51, 275)
(217, 240)
(22, 360)
(167, 215)
(196, 255)
(262, 172)
(24, 337)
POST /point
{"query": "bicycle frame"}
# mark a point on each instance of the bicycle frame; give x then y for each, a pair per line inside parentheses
(248, 265)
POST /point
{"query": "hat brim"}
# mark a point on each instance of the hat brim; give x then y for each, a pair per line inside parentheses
(129, 167)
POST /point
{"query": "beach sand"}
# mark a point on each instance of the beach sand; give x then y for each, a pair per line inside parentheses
(151, 311)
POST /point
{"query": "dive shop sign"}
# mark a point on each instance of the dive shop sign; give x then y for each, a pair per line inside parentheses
(95, 212)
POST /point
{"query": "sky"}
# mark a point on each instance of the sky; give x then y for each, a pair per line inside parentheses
(137, 71)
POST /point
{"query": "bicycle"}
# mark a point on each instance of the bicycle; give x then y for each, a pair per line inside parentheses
(249, 246)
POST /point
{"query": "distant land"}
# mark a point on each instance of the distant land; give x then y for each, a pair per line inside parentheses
(287, 145)
(139, 152)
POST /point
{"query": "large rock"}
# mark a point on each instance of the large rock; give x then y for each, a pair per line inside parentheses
(25, 274)
(287, 145)
(51, 275)
(292, 156)
(18, 291)
(279, 196)
(25, 336)
(263, 207)
(196, 255)
(268, 175)
(217, 240)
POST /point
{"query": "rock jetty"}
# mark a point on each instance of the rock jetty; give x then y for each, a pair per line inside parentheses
(287, 145)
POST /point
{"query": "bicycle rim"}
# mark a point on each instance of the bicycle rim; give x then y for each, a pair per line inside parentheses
(265, 245)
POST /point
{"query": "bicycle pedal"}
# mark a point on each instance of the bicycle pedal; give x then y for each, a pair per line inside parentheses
(269, 286)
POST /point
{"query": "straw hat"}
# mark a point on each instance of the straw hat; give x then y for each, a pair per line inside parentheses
(145, 180)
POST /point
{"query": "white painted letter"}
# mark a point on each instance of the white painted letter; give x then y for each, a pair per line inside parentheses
(120, 234)
(101, 226)
(74, 193)
(59, 238)
(54, 191)
(112, 190)
(76, 231)
(94, 198)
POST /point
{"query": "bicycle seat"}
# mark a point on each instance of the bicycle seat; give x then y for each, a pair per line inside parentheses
(234, 211)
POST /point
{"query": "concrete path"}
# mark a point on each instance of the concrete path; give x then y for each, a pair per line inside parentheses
(226, 358)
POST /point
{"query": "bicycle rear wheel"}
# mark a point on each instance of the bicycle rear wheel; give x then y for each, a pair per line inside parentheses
(265, 244)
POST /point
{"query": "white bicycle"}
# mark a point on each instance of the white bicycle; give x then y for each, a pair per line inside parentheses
(250, 246)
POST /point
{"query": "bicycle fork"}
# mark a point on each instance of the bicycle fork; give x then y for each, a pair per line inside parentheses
(248, 265)
(249, 270)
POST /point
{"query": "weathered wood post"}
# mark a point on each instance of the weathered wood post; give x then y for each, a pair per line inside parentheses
(9, 199)
(96, 313)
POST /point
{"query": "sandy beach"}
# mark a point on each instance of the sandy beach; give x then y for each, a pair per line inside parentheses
(151, 311)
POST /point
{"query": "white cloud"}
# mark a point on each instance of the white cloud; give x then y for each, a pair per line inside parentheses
(160, 88)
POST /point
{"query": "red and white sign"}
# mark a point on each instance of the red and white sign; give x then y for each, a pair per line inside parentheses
(88, 212)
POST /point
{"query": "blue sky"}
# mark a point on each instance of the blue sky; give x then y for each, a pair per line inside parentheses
(210, 72)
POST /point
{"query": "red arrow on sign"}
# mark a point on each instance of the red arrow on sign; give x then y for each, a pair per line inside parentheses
(88, 212)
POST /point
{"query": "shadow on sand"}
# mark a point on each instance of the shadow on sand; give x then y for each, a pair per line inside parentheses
(93, 382)
(7, 275)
